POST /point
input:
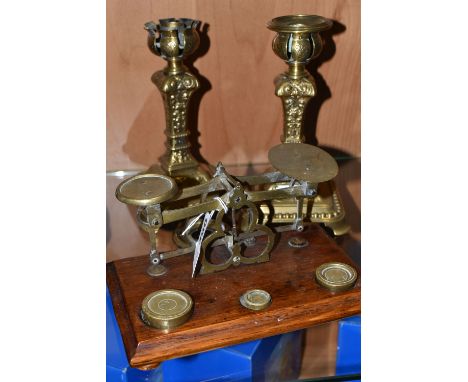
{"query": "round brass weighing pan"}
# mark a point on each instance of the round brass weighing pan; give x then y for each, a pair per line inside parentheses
(146, 189)
(303, 162)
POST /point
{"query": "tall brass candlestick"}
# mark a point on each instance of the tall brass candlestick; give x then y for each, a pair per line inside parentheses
(297, 42)
(174, 40)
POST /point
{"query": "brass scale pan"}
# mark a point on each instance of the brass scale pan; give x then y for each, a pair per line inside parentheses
(303, 162)
(296, 160)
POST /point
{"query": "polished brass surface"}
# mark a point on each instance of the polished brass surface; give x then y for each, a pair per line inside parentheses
(237, 199)
(297, 42)
(146, 189)
(299, 23)
(295, 94)
(337, 277)
(166, 308)
(222, 198)
(221, 216)
(303, 162)
(173, 40)
(325, 208)
(255, 299)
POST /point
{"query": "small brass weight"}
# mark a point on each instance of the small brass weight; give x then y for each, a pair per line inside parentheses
(220, 210)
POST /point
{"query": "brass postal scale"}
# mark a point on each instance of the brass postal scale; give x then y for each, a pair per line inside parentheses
(225, 225)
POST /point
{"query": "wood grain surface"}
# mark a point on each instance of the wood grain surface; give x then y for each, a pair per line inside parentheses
(218, 319)
(235, 113)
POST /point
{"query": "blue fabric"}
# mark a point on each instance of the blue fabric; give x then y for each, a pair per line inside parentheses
(348, 356)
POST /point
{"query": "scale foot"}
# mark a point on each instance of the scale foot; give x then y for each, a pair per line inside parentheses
(156, 270)
(298, 242)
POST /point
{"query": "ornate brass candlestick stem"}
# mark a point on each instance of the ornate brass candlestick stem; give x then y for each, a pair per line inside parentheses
(174, 40)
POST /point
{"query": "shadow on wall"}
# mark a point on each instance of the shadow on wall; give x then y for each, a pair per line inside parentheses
(350, 168)
(147, 131)
(323, 91)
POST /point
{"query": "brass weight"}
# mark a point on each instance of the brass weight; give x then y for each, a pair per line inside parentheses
(166, 308)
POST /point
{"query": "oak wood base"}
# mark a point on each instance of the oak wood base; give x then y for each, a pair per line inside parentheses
(219, 319)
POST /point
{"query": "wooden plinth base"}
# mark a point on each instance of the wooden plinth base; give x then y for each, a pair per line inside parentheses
(219, 319)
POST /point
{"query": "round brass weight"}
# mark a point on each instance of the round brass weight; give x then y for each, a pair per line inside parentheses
(166, 308)
(336, 277)
(255, 299)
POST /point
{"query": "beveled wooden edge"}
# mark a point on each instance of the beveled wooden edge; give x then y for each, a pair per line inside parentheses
(149, 354)
(144, 357)
(120, 311)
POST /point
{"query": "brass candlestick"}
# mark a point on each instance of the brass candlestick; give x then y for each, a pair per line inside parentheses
(173, 40)
(297, 42)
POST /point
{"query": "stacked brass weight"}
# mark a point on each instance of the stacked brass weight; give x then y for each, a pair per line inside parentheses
(173, 40)
(297, 42)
